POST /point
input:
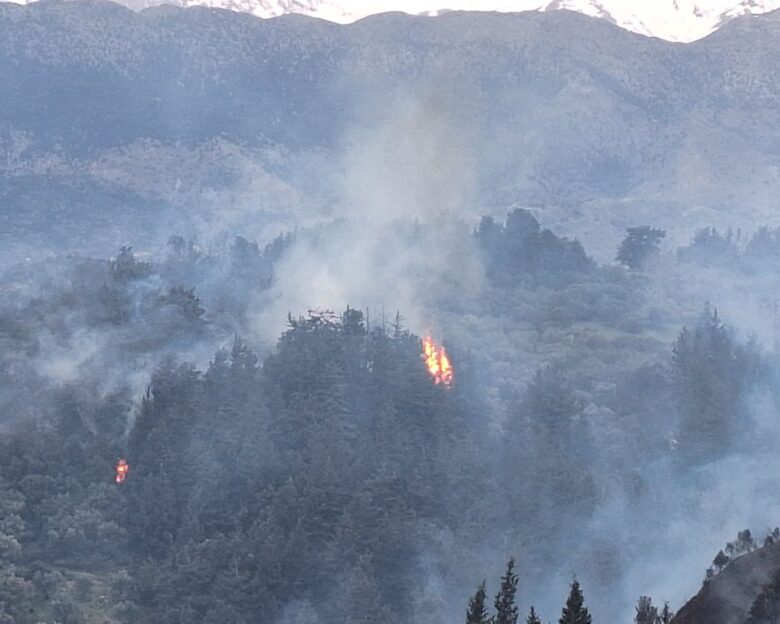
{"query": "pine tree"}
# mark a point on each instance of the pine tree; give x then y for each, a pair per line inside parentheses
(477, 613)
(646, 613)
(574, 612)
(721, 560)
(506, 609)
(639, 244)
(666, 615)
(533, 618)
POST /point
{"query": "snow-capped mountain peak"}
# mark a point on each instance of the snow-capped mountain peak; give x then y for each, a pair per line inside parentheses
(674, 20)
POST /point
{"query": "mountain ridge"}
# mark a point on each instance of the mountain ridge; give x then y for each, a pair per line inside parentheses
(672, 20)
(598, 126)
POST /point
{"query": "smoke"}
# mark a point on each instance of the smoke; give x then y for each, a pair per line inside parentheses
(411, 163)
(67, 325)
(299, 612)
(64, 363)
(397, 232)
(383, 221)
(398, 237)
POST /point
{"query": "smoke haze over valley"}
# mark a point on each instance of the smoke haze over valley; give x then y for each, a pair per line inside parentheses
(223, 239)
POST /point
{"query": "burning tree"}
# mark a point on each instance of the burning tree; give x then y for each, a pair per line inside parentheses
(437, 362)
(122, 468)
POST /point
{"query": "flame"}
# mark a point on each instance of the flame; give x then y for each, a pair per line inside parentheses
(122, 468)
(437, 362)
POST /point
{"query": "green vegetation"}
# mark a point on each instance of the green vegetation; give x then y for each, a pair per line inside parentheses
(330, 477)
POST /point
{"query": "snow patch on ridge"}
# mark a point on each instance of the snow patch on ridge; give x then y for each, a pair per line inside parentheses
(673, 20)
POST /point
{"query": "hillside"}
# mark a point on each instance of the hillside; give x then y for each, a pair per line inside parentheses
(727, 598)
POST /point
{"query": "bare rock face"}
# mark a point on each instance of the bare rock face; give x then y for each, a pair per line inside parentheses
(727, 598)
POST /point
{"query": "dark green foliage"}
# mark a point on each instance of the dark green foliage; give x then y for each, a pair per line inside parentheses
(666, 615)
(551, 400)
(521, 247)
(16, 592)
(315, 476)
(734, 251)
(712, 374)
(184, 300)
(575, 612)
(533, 618)
(506, 609)
(318, 473)
(720, 560)
(126, 267)
(254, 265)
(477, 612)
(326, 467)
(535, 276)
(741, 546)
(639, 244)
(550, 433)
(711, 247)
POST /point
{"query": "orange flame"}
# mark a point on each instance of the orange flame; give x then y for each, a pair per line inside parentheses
(437, 362)
(122, 468)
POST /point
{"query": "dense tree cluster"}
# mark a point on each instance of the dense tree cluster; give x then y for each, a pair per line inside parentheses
(330, 477)
(639, 245)
(647, 613)
(318, 473)
(520, 247)
(747, 253)
(744, 544)
(712, 372)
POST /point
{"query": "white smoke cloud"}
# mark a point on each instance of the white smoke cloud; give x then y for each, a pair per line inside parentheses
(407, 181)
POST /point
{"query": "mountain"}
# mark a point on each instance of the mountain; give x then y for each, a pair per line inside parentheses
(215, 119)
(674, 20)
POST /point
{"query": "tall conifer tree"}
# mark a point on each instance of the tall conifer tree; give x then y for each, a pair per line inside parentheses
(575, 612)
(477, 613)
(646, 613)
(506, 609)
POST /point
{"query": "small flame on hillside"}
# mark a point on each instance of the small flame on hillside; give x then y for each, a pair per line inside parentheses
(122, 468)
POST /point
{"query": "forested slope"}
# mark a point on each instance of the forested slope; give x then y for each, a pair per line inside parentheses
(329, 476)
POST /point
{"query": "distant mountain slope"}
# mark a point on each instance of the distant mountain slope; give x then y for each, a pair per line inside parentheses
(598, 127)
(674, 20)
(200, 73)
